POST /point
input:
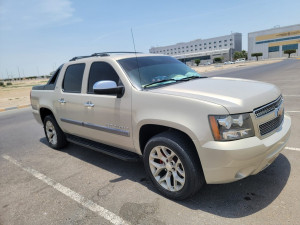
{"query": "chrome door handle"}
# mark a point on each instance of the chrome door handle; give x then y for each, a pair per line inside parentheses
(89, 104)
(61, 100)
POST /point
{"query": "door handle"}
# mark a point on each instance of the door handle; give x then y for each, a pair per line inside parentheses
(89, 104)
(62, 101)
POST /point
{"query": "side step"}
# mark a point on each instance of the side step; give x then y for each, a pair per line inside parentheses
(106, 149)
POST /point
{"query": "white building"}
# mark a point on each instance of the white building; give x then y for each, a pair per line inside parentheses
(272, 42)
(205, 50)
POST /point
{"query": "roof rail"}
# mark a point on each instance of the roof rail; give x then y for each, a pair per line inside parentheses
(101, 54)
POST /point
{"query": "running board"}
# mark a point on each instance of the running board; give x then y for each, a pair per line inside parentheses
(105, 149)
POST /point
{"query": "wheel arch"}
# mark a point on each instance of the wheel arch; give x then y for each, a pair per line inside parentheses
(149, 130)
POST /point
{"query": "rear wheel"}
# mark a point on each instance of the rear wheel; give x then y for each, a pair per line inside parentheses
(173, 165)
(55, 136)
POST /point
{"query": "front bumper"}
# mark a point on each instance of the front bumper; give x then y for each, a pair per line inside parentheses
(225, 162)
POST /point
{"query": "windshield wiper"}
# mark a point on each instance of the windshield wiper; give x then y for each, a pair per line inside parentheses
(161, 81)
(190, 78)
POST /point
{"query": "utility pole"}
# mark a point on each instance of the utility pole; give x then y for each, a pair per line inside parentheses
(19, 73)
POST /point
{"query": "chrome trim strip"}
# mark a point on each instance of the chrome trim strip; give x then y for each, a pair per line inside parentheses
(107, 129)
(279, 99)
(75, 122)
(97, 127)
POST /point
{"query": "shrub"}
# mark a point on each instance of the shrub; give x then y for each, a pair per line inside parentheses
(290, 51)
(1, 84)
(197, 61)
(257, 54)
(217, 59)
(9, 83)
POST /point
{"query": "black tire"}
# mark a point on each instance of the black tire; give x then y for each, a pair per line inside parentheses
(186, 153)
(61, 140)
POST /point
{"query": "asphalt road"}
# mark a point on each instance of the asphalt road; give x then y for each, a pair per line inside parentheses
(39, 185)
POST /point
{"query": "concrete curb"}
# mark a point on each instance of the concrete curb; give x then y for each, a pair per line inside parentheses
(15, 107)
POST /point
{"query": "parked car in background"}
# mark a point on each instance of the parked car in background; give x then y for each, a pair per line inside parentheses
(229, 62)
(240, 60)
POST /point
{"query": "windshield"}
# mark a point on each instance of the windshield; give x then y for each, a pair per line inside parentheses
(153, 71)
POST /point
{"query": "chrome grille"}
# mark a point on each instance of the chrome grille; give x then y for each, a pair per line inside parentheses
(263, 110)
(271, 125)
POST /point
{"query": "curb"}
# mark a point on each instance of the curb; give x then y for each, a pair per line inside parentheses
(15, 107)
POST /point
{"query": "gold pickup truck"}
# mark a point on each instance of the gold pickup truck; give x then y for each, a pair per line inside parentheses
(188, 129)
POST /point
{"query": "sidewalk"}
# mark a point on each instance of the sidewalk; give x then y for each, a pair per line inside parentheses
(15, 107)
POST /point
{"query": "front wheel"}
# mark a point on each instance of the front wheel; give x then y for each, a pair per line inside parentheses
(173, 165)
(55, 136)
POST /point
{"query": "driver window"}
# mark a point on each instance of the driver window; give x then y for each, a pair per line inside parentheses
(101, 71)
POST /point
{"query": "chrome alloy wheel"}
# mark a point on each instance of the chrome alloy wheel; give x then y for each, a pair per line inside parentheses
(167, 168)
(51, 133)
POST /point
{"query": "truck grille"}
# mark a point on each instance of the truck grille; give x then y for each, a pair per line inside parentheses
(271, 125)
(263, 110)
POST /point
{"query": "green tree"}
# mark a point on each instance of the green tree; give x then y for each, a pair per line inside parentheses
(290, 51)
(218, 59)
(257, 54)
(197, 61)
(244, 54)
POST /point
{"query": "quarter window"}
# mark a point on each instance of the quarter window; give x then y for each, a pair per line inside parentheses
(73, 78)
(101, 71)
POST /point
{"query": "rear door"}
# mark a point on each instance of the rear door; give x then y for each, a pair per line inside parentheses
(70, 102)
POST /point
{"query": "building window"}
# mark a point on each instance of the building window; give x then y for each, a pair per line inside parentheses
(288, 47)
(210, 43)
(205, 48)
(200, 44)
(215, 46)
(274, 49)
(214, 42)
(220, 41)
(195, 45)
(220, 46)
(187, 46)
(200, 49)
(209, 47)
(204, 43)
(225, 44)
(230, 43)
(183, 51)
(225, 40)
(230, 39)
(195, 49)
(191, 50)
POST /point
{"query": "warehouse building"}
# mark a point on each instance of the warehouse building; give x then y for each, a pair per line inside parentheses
(273, 42)
(205, 50)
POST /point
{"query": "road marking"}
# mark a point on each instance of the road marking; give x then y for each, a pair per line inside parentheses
(293, 111)
(294, 149)
(106, 214)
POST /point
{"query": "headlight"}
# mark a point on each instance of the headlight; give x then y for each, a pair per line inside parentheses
(231, 127)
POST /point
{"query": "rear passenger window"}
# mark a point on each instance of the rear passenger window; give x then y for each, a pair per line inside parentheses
(101, 71)
(73, 78)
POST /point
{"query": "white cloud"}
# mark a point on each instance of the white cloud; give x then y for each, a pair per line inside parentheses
(31, 14)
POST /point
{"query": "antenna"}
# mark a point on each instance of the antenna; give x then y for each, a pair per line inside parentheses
(137, 62)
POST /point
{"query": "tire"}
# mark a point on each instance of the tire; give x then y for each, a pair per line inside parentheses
(55, 136)
(173, 165)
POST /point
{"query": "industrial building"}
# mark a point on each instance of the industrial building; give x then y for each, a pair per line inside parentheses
(204, 49)
(273, 42)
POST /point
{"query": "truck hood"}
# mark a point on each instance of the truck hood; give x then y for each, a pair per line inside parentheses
(236, 95)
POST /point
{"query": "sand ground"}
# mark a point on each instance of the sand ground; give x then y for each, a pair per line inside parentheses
(18, 93)
(221, 66)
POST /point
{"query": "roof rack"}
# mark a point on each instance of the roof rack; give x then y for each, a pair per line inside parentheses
(101, 54)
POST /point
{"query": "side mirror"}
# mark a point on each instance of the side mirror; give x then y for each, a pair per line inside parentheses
(108, 87)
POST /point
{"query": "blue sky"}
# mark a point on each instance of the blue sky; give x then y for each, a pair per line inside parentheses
(37, 36)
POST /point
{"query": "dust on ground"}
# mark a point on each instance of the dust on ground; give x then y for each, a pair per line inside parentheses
(18, 94)
(213, 67)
